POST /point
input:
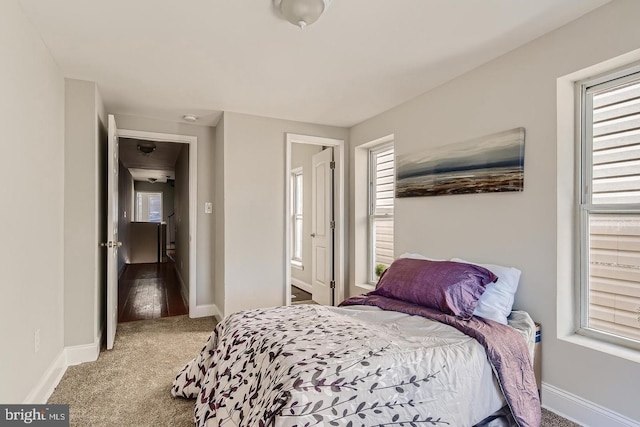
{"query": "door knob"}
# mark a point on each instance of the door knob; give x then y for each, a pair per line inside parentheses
(313, 234)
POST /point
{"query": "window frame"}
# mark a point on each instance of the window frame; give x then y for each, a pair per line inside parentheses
(137, 209)
(373, 152)
(585, 207)
(296, 261)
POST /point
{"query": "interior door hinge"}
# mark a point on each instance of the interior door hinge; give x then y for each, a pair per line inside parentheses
(332, 165)
(332, 284)
(332, 224)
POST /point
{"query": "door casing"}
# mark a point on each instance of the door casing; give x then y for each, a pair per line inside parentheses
(339, 203)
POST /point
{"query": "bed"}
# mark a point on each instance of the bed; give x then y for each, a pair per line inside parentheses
(396, 356)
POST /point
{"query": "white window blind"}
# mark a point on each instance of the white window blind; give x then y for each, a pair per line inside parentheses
(610, 209)
(381, 201)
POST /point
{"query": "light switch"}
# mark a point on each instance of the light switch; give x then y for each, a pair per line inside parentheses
(208, 207)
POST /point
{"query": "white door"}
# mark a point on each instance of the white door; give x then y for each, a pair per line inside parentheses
(322, 279)
(112, 243)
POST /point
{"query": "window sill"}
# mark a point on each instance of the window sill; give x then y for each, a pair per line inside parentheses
(366, 287)
(297, 265)
(604, 347)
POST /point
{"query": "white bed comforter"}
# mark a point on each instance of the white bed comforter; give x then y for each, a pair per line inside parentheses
(359, 366)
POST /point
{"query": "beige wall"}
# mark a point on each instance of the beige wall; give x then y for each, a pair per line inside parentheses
(205, 222)
(301, 156)
(84, 222)
(32, 253)
(517, 229)
(254, 187)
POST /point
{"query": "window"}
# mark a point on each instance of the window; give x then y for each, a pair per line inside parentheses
(381, 195)
(148, 207)
(610, 209)
(296, 216)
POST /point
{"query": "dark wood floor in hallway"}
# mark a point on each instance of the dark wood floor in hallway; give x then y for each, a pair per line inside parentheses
(149, 291)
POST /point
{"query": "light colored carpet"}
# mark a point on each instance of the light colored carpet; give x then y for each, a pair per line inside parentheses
(130, 385)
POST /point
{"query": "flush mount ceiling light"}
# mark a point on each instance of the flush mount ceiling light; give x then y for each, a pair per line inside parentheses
(190, 117)
(146, 148)
(302, 12)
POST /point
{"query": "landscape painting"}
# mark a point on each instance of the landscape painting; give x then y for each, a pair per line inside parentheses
(493, 163)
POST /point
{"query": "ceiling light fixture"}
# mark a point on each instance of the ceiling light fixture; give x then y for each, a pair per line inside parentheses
(302, 12)
(146, 148)
(190, 117)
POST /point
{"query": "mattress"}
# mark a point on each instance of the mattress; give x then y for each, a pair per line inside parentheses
(358, 365)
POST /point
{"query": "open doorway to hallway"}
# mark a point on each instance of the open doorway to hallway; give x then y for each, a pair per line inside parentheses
(153, 200)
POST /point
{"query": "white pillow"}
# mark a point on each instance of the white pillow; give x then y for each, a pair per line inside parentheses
(497, 300)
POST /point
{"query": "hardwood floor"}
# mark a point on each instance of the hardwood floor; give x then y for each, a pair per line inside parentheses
(300, 296)
(149, 291)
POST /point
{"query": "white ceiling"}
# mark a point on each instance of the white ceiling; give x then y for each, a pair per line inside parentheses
(167, 58)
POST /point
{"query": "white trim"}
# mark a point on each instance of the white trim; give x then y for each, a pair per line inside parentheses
(184, 291)
(77, 354)
(580, 410)
(567, 136)
(385, 144)
(48, 382)
(339, 158)
(193, 195)
(366, 287)
(205, 310)
(360, 195)
(302, 285)
(602, 346)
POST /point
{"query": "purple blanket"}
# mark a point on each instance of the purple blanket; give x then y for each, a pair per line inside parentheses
(506, 350)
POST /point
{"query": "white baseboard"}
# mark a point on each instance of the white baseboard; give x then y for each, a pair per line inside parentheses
(217, 313)
(78, 354)
(205, 310)
(49, 381)
(302, 285)
(580, 410)
(184, 290)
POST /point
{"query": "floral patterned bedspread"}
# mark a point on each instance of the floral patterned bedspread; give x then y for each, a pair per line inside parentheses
(307, 365)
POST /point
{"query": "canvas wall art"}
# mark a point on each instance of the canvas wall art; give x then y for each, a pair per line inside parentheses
(492, 163)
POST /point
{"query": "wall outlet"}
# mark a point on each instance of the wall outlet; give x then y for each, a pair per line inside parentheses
(36, 340)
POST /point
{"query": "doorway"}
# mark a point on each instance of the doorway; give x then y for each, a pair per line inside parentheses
(153, 183)
(158, 216)
(314, 220)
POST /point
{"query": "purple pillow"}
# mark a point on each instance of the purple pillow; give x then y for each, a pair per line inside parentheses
(451, 287)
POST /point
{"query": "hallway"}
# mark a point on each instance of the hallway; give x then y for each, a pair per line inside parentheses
(149, 291)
